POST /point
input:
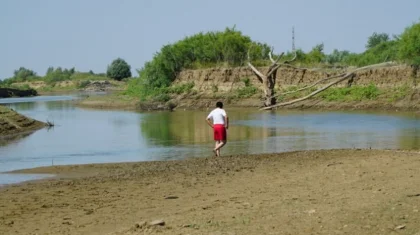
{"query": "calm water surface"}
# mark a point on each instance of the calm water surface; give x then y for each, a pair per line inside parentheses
(99, 136)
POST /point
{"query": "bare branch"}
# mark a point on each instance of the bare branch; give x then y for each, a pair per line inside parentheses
(249, 57)
(274, 68)
(293, 59)
(274, 62)
(310, 86)
(346, 76)
(259, 75)
(270, 56)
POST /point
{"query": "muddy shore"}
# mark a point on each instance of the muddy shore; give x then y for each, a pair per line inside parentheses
(308, 192)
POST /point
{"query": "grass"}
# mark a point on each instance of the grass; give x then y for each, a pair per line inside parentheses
(164, 94)
(354, 93)
(398, 93)
(248, 90)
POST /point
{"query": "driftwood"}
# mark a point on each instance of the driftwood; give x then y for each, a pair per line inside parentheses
(340, 77)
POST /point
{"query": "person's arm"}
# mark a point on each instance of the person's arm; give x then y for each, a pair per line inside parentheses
(208, 120)
(225, 116)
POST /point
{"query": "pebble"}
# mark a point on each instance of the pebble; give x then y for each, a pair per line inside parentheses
(157, 222)
(400, 227)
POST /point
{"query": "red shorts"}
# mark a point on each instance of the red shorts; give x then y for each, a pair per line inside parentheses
(219, 131)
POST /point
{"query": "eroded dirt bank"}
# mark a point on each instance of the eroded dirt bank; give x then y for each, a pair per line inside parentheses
(397, 85)
(230, 79)
(10, 92)
(12, 122)
(310, 192)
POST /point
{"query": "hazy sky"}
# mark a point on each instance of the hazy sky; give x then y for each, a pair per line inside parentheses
(89, 34)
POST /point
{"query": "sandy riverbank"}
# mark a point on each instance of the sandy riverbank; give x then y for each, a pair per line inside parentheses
(311, 192)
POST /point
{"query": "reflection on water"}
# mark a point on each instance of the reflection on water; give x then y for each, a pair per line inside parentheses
(189, 127)
(97, 136)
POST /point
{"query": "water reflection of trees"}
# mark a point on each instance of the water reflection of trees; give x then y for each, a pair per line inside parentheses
(23, 106)
(189, 127)
(409, 139)
(59, 105)
(156, 128)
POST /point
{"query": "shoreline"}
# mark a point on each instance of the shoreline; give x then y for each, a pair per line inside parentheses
(195, 104)
(356, 191)
(79, 170)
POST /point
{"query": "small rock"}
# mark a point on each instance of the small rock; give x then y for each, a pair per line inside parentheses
(311, 211)
(157, 222)
(171, 197)
(140, 224)
(246, 204)
(400, 227)
(68, 222)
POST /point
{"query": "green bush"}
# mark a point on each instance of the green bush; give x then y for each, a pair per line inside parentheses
(228, 48)
(118, 70)
(83, 84)
(247, 81)
(182, 88)
(409, 48)
(58, 75)
(398, 93)
(246, 92)
(376, 39)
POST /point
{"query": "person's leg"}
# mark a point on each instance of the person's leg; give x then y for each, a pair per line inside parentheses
(223, 136)
(220, 145)
(215, 147)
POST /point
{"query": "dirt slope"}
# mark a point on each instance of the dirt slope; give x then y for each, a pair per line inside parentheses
(229, 79)
(12, 122)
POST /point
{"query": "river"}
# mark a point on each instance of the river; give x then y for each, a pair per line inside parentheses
(83, 136)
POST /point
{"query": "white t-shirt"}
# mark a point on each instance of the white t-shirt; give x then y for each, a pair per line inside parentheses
(218, 115)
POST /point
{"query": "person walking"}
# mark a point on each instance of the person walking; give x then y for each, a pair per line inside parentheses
(220, 124)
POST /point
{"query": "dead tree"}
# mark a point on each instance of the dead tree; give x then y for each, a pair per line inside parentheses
(268, 79)
(339, 78)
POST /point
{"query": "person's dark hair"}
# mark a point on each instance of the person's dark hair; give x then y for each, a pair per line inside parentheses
(219, 104)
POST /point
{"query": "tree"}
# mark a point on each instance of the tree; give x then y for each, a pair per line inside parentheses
(50, 70)
(409, 45)
(376, 39)
(24, 74)
(316, 55)
(337, 56)
(268, 79)
(119, 69)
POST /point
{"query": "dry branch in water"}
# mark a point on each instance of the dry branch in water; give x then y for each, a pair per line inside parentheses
(341, 77)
